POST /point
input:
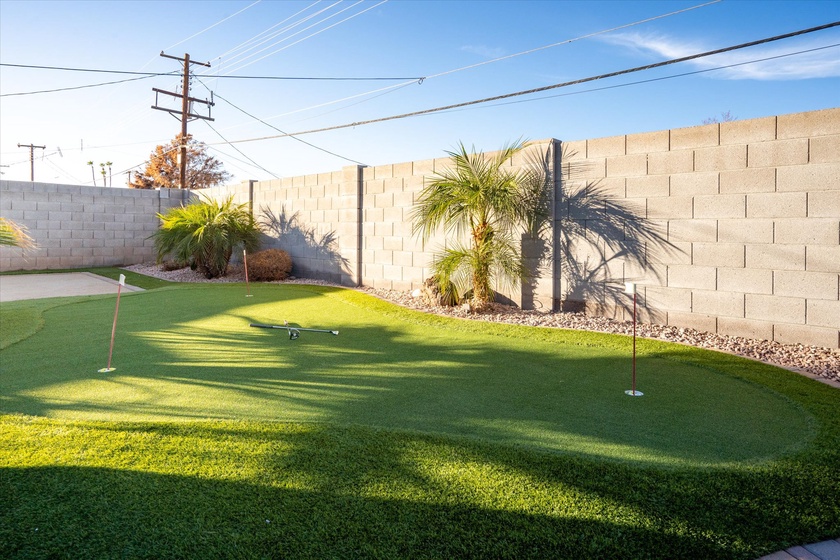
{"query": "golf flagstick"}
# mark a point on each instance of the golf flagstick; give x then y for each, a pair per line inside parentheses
(630, 288)
(247, 283)
(114, 328)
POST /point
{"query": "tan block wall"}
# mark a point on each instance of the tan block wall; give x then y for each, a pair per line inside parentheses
(751, 214)
(78, 226)
(731, 227)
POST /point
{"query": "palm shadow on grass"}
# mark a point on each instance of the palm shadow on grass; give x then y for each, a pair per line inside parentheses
(337, 492)
(427, 376)
(349, 492)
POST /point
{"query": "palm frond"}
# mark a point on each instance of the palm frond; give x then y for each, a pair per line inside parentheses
(206, 232)
(13, 234)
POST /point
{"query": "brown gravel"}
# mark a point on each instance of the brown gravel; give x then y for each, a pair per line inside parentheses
(822, 363)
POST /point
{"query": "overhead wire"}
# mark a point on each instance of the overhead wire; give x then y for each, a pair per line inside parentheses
(218, 76)
(254, 163)
(568, 41)
(289, 135)
(252, 39)
(243, 111)
(529, 51)
(193, 36)
(555, 86)
(256, 42)
(77, 87)
(311, 35)
(662, 78)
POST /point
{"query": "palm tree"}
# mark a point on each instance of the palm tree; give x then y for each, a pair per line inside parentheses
(484, 198)
(92, 174)
(204, 234)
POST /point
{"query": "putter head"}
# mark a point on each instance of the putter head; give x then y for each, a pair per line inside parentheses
(294, 334)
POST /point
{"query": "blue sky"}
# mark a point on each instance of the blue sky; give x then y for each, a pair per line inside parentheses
(465, 51)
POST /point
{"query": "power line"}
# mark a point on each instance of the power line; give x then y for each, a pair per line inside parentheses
(241, 152)
(662, 78)
(256, 37)
(281, 131)
(194, 35)
(219, 76)
(555, 86)
(313, 34)
(389, 89)
(567, 41)
(255, 41)
(77, 87)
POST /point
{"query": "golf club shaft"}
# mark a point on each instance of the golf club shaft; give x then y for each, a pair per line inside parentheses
(261, 326)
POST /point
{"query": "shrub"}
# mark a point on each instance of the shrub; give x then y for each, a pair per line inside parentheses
(269, 265)
(204, 233)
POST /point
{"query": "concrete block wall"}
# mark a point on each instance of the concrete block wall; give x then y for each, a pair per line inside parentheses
(77, 226)
(749, 218)
(354, 226)
(731, 228)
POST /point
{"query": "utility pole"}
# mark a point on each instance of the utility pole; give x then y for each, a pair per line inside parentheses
(186, 103)
(31, 158)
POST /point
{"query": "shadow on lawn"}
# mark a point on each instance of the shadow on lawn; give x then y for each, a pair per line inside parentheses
(354, 493)
(407, 376)
(317, 491)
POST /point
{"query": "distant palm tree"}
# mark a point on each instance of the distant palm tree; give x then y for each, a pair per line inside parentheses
(92, 174)
(481, 197)
(205, 233)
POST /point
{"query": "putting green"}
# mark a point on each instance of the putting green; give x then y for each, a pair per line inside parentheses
(188, 353)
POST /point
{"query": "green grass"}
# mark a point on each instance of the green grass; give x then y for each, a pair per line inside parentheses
(407, 435)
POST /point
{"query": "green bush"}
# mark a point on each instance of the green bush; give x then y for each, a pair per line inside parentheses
(205, 233)
(269, 265)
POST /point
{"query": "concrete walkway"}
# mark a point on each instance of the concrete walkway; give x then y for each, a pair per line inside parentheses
(60, 284)
(825, 550)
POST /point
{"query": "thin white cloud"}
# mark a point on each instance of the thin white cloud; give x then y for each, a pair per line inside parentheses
(823, 63)
(484, 51)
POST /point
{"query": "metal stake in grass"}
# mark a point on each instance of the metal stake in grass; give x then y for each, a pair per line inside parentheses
(247, 283)
(114, 327)
(294, 332)
(630, 288)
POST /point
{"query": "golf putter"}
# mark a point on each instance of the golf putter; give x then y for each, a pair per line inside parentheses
(294, 332)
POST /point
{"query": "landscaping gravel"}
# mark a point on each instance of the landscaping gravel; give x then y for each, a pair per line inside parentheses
(817, 361)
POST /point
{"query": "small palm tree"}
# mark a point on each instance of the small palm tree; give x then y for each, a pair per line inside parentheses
(483, 198)
(205, 233)
(15, 235)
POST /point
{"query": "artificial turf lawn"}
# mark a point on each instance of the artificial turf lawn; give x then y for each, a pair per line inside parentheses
(406, 436)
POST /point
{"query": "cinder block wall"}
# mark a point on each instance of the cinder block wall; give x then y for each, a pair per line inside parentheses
(741, 223)
(731, 228)
(354, 226)
(77, 226)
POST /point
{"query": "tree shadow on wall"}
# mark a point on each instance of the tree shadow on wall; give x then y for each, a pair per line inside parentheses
(312, 255)
(535, 242)
(602, 242)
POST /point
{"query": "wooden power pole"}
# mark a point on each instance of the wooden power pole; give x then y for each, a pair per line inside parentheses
(185, 113)
(31, 158)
